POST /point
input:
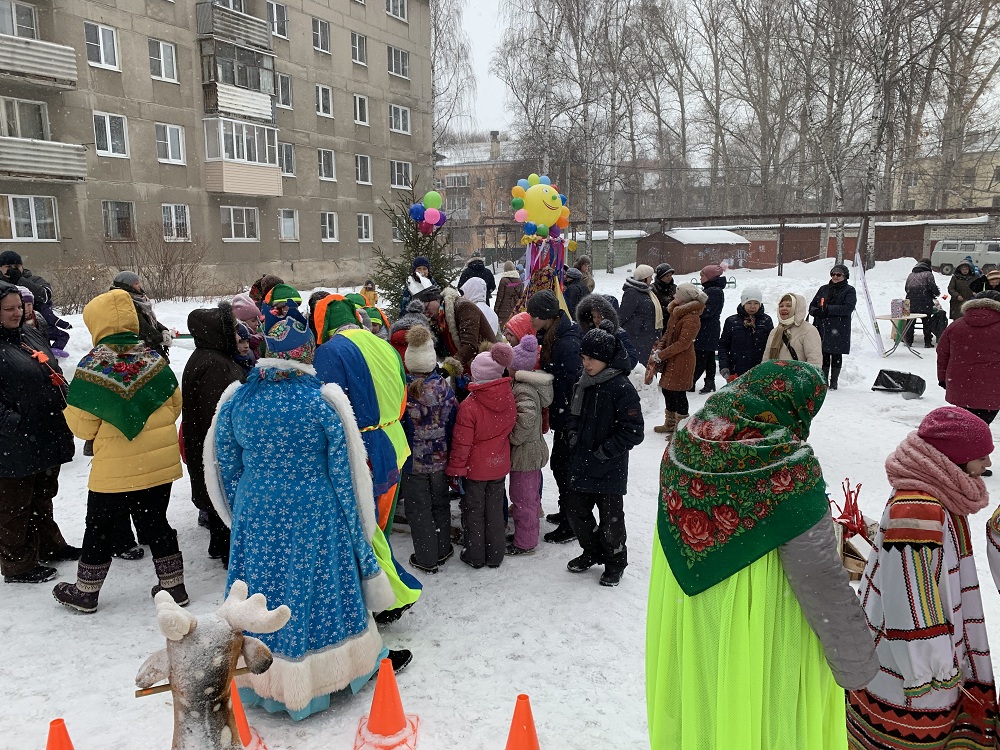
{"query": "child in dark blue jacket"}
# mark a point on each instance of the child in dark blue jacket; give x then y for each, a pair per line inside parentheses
(744, 335)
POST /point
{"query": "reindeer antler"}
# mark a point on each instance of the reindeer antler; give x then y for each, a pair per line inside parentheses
(174, 622)
(252, 614)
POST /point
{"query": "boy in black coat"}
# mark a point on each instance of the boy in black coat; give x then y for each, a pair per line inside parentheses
(605, 424)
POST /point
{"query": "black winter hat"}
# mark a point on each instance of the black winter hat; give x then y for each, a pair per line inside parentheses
(600, 343)
(843, 269)
(990, 294)
(10, 258)
(662, 270)
(543, 305)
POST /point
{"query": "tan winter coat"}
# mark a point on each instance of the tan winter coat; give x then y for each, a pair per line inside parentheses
(802, 335)
(676, 345)
(532, 393)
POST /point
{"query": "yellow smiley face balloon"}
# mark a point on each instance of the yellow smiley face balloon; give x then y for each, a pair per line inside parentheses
(543, 204)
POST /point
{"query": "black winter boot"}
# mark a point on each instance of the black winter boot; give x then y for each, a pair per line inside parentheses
(170, 571)
(826, 372)
(834, 377)
(82, 595)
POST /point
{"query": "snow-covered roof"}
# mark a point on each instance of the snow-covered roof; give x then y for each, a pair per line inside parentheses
(459, 154)
(850, 225)
(602, 236)
(706, 237)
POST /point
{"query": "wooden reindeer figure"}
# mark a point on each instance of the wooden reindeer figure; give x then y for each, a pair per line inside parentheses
(200, 659)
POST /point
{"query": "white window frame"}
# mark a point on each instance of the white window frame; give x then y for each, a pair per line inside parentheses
(15, 26)
(360, 172)
(272, 18)
(398, 58)
(359, 48)
(101, 46)
(333, 164)
(396, 9)
(400, 110)
(325, 226)
(456, 180)
(361, 103)
(323, 90)
(6, 102)
(219, 129)
(279, 94)
(107, 134)
(105, 205)
(166, 130)
(171, 222)
(288, 214)
(365, 228)
(288, 148)
(244, 212)
(319, 26)
(7, 209)
(399, 167)
(397, 229)
(162, 45)
(236, 5)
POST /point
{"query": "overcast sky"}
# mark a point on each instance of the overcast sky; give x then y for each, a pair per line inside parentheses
(483, 24)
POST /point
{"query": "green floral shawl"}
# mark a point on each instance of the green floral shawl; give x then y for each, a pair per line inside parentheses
(739, 478)
(122, 381)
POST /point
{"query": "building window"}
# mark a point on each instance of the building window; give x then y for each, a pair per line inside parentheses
(119, 220)
(456, 181)
(286, 159)
(359, 48)
(996, 204)
(175, 223)
(20, 118)
(399, 119)
(324, 100)
(399, 62)
(28, 218)
(397, 229)
(362, 169)
(400, 174)
(481, 206)
(284, 87)
(223, 62)
(111, 134)
(909, 205)
(327, 165)
(288, 225)
(102, 46)
(321, 35)
(396, 9)
(328, 226)
(18, 19)
(162, 60)
(996, 174)
(364, 227)
(239, 223)
(232, 140)
(277, 16)
(499, 207)
(360, 109)
(910, 178)
(456, 203)
(236, 5)
(481, 183)
(169, 143)
(969, 176)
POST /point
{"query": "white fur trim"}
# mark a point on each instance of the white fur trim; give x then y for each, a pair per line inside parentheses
(210, 459)
(533, 377)
(297, 682)
(378, 592)
(448, 297)
(271, 363)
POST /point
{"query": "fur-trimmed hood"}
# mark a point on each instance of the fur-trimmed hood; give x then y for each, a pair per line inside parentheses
(685, 308)
(214, 328)
(599, 303)
(449, 297)
(989, 315)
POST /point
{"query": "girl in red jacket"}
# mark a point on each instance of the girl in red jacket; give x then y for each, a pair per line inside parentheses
(480, 452)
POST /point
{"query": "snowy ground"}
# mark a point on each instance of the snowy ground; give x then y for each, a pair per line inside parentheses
(478, 637)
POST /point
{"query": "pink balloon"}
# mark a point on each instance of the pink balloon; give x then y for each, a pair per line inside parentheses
(521, 215)
(431, 215)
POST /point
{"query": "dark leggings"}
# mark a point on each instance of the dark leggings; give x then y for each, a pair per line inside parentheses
(704, 363)
(835, 361)
(105, 510)
(675, 401)
(987, 415)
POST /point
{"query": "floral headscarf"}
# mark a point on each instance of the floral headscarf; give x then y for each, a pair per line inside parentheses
(739, 478)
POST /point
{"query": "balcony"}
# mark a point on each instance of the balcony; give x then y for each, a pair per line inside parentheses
(233, 101)
(42, 160)
(220, 21)
(240, 178)
(44, 63)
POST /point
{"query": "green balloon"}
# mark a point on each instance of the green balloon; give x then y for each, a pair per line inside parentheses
(517, 204)
(432, 199)
(542, 230)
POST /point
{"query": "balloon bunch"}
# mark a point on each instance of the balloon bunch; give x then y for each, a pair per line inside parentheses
(428, 213)
(538, 205)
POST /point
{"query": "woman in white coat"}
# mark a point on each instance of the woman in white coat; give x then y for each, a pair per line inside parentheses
(793, 336)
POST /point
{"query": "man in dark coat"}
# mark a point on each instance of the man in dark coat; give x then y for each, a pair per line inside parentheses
(575, 290)
(744, 335)
(605, 424)
(595, 308)
(209, 371)
(922, 293)
(476, 267)
(831, 310)
(705, 346)
(34, 442)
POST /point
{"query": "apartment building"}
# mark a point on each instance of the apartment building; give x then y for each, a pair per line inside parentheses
(270, 133)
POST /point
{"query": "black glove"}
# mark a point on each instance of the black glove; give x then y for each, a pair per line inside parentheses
(64, 324)
(942, 384)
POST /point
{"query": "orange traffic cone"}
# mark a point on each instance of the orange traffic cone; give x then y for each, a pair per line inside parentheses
(522, 727)
(248, 735)
(58, 736)
(386, 727)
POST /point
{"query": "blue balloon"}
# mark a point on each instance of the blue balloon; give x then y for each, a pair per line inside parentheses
(562, 198)
(544, 180)
(523, 184)
(529, 228)
(417, 212)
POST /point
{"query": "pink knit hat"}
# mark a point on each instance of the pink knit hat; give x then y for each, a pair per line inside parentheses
(246, 310)
(526, 353)
(490, 365)
(520, 325)
(713, 271)
(957, 433)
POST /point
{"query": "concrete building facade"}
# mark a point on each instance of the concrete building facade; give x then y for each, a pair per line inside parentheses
(264, 136)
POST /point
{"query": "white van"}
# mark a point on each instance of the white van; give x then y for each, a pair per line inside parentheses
(948, 254)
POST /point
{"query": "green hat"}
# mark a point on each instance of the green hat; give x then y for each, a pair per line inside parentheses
(375, 314)
(356, 298)
(281, 294)
(339, 312)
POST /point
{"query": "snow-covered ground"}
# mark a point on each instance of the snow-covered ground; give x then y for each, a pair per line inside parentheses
(478, 637)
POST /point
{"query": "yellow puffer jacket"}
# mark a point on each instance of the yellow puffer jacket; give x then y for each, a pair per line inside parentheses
(119, 464)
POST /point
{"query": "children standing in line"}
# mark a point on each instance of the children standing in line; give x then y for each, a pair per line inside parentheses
(529, 452)
(606, 423)
(480, 454)
(428, 422)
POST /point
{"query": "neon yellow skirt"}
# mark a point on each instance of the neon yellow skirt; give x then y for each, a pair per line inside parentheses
(737, 667)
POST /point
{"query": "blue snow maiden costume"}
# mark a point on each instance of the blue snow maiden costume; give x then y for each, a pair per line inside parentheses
(286, 467)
